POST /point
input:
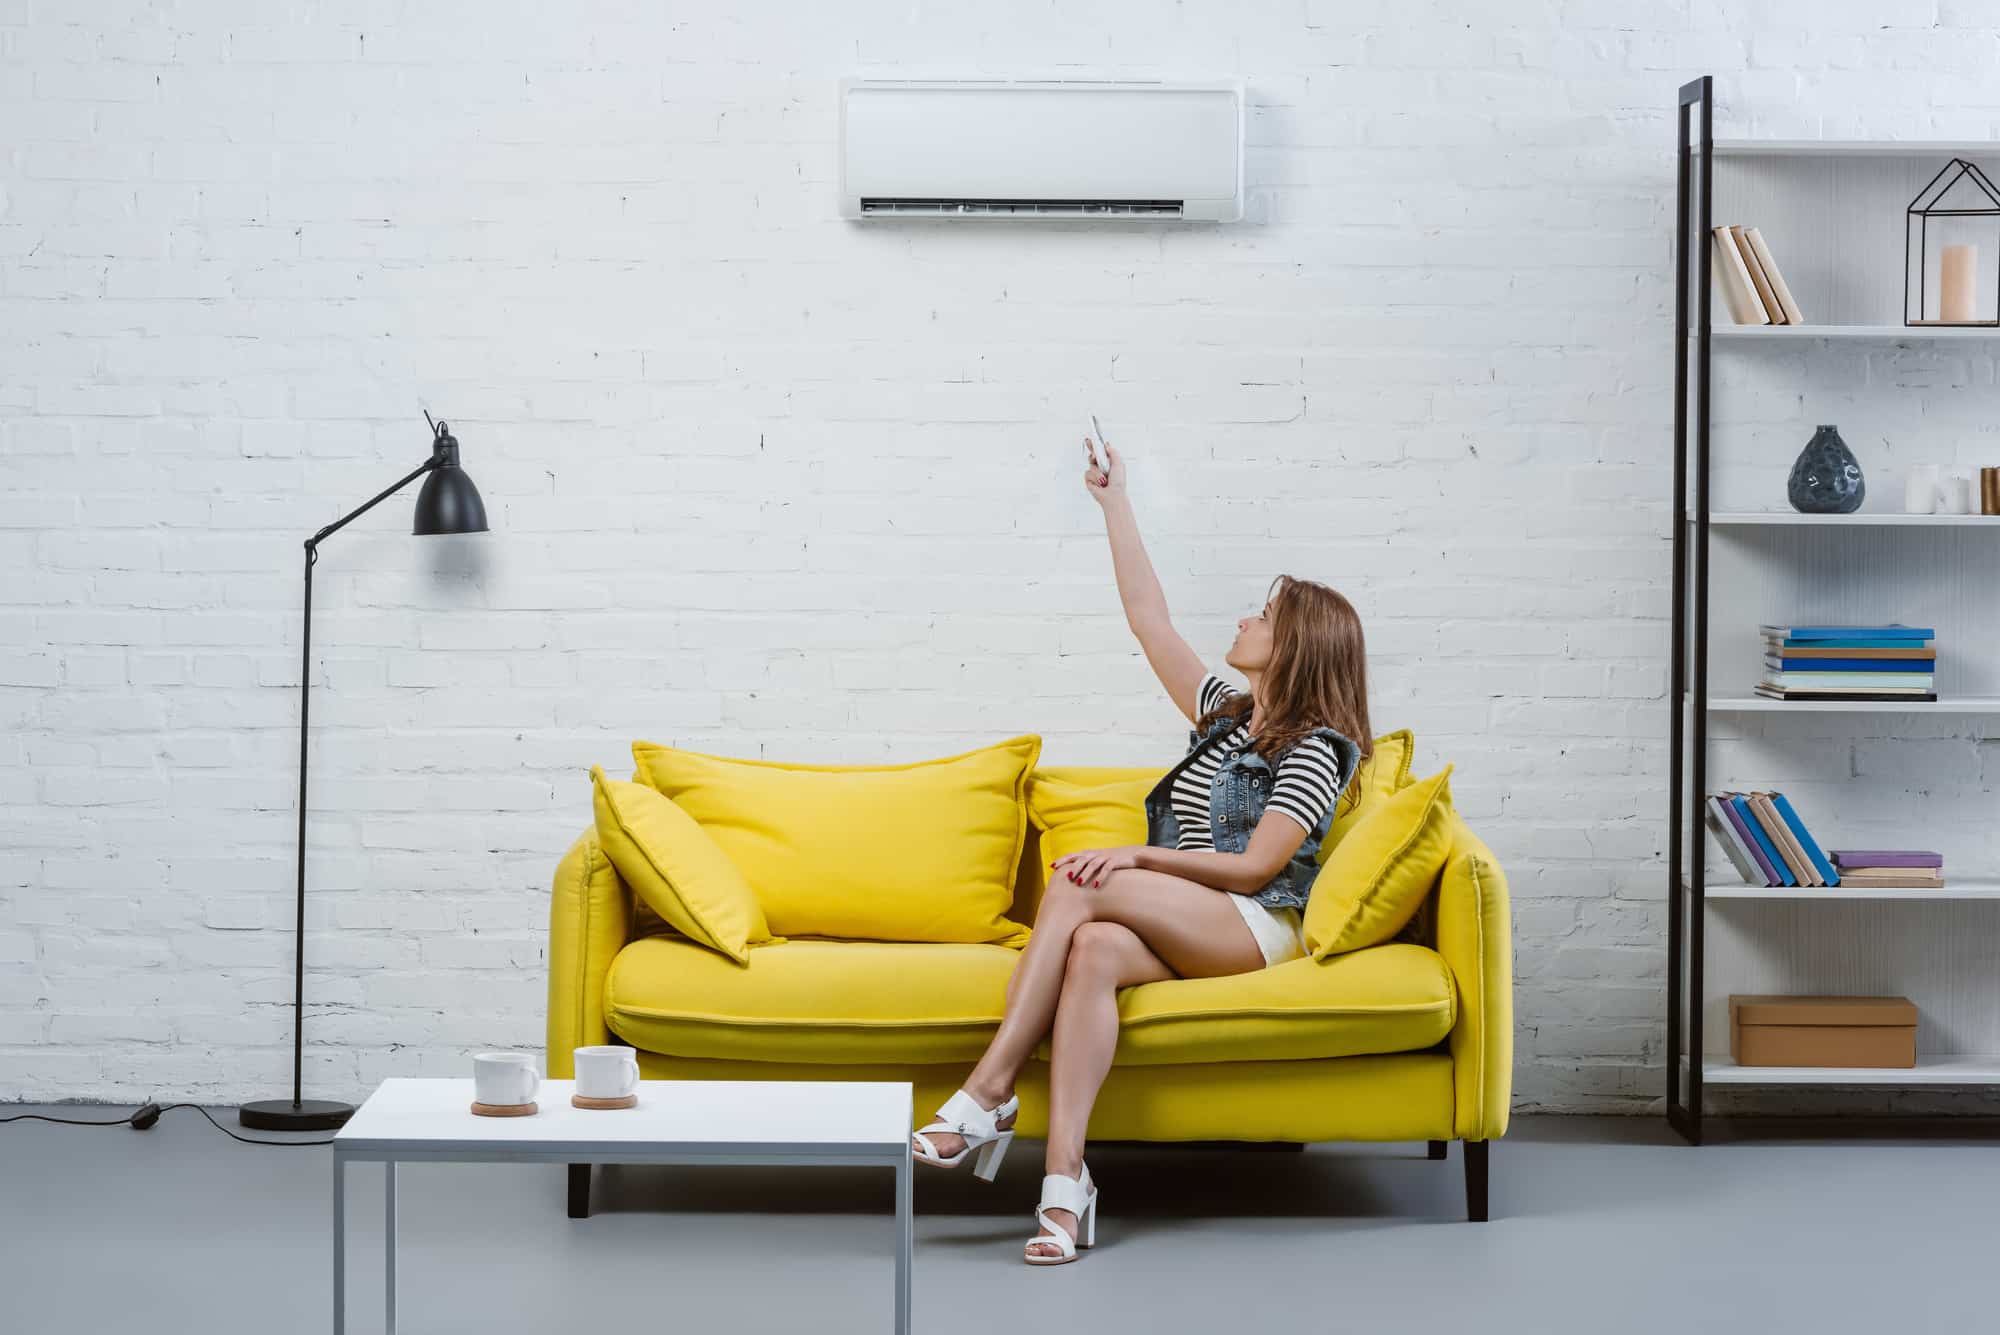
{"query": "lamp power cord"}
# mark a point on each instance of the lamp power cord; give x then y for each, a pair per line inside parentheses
(146, 1115)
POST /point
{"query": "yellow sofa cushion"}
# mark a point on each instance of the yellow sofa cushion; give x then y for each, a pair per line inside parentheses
(1079, 807)
(1385, 773)
(811, 1000)
(1383, 871)
(846, 1002)
(673, 866)
(916, 852)
(1394, 998)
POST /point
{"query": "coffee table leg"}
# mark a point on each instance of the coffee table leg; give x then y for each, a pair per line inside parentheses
(389, 1246)
(903, 1229)
(339, 1248)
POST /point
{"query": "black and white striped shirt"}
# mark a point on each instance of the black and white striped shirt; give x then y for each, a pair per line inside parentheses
(1307, 782)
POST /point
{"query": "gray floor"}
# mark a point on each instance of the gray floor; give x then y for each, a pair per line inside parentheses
(1600, 1225)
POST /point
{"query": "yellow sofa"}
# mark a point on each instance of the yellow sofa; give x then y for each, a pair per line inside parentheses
(1411, 1040)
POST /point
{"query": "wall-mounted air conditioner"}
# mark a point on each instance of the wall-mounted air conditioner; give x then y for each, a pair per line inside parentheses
(1056, 149)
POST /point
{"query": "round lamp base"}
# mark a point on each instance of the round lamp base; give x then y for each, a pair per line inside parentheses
(284, 1115)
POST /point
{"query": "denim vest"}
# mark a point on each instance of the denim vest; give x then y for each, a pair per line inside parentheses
(1236, 803)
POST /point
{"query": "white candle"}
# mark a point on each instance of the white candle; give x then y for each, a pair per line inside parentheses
(1958, 269)
(1920, 490)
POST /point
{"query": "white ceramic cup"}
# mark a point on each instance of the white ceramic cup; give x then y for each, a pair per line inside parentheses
(505, 1079)
(1920, 490)
(608, 1072)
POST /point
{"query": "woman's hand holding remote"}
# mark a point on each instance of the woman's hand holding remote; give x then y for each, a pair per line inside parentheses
(1103, 480)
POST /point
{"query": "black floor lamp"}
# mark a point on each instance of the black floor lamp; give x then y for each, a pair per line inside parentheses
(448, 503)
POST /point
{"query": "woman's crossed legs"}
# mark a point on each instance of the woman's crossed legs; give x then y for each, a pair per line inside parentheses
(1138, 927)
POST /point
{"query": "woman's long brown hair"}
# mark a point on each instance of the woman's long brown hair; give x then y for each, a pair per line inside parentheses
(1317, 676)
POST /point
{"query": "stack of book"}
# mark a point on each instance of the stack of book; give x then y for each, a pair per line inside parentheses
(1767, 841)
(1893, 662)
(1890, 868)
(1752, 288)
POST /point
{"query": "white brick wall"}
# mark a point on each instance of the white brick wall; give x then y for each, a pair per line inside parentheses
(766, 483)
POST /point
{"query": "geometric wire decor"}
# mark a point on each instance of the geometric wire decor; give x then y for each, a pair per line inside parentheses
(1947, 244)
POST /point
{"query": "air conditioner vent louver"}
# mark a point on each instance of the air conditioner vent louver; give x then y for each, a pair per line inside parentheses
(1024, 208)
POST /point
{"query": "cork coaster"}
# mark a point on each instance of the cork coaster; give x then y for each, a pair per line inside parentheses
(503, 1109)
(579, 1101)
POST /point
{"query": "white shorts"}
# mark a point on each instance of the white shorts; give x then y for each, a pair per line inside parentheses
(1280, 932)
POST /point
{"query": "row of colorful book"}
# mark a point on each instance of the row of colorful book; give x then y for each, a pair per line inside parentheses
(1893, 662)
(1770, 845)
(1767, 841)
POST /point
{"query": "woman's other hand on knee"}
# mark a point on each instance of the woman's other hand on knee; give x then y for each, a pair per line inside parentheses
(1093, 866)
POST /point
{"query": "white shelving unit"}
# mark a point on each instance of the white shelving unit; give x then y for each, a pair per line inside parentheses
(1854, 148)
(1859, 519)
(1867, 894)
(1944, 704)
(1832, 212)
(1888, 333)
(1929, 1070)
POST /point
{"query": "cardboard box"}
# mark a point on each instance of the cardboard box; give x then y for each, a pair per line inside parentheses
(1823, 1031)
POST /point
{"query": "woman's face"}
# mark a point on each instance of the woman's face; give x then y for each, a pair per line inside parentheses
(1252, 647)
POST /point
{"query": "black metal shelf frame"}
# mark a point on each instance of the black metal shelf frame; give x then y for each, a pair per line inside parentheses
(1693, 253)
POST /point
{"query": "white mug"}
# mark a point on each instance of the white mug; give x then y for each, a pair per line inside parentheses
(504, 1079)
(607, 1072)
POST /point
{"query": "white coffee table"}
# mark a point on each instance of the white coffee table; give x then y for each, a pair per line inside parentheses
(677, 1122)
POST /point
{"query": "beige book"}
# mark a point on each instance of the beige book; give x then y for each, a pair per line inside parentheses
(1792, 840)
(1745, 306)
(1757, 279)
(1771, 275)
(1781, 830)
(1877, 880)
(1898, 873)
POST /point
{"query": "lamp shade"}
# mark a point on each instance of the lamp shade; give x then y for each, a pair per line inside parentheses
(448, 503)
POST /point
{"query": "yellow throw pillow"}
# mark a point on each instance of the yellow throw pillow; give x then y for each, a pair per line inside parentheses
(1079, 807)
(918, 852)
(1385, 773)
(1383, 871)
(672, 864)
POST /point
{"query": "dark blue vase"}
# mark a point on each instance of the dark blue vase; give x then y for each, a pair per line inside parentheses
(1826, 480)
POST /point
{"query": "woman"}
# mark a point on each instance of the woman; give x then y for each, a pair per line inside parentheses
(1219, 886)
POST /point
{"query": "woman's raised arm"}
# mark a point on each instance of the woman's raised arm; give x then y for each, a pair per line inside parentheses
(1174, 662)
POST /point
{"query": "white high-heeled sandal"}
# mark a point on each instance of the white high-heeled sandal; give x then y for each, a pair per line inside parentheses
(1078, 1195)
(962, 1116)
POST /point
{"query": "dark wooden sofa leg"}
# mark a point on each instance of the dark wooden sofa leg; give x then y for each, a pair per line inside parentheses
(1475, 1180)
(1437, 1149)
(579, 1191)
